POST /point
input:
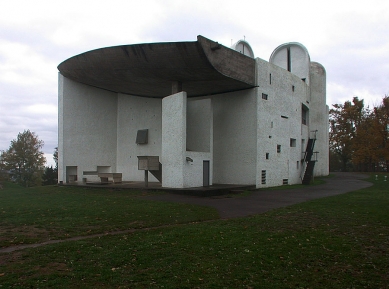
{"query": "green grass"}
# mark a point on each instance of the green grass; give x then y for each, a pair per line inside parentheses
(335, 242)
(44, 213)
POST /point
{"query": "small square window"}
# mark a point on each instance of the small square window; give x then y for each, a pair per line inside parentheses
(293, 142)
(267, 156)
(264, 96)
(278, 148)
(142, 136)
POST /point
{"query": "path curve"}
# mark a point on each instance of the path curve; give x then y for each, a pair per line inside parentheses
(262, 201)
(256, 203)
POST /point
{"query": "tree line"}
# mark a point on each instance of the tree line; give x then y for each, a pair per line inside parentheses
(359, 136)
(24, 162)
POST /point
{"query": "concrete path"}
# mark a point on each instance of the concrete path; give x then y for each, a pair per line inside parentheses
(262, 201)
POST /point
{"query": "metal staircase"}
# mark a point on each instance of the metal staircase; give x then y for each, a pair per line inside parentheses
(309, 162)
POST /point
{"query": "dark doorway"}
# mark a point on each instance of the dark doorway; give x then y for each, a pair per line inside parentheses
(206, 173)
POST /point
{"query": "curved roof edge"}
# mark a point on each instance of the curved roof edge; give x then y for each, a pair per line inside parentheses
(203, 67)
(319, 68)
(243, 44)
(286, 45)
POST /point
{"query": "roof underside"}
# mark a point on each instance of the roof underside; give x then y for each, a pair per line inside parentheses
(204, 67)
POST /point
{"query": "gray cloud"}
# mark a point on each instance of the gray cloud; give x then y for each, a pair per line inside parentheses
(349, 38)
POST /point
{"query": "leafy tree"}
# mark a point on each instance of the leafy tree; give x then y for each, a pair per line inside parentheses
(359, 137)
(344, 120)
(24, 159)
(3, 172)
(380, 126)
(50, 176)
(55, 157)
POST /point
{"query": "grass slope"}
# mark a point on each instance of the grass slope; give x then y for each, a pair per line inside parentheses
(335, 242)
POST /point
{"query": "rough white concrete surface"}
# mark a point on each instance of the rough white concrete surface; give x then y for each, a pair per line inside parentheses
(319, 118)
(193, 171)
(87, 134)
(173, 140)
(235, 137)
(136, 113)
(198, 125)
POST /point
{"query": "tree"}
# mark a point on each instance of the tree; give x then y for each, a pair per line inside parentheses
(359, 137)
(344, 121)
(380, 117)
(25, 160)
(55, 157)
(50, 176)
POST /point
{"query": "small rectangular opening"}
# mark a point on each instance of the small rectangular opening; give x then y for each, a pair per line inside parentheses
(278, 148)
(289, 62)
(263, 177)
(293, 88)
(297, 165)
(284, 181)
(270, 78)
(283, 116)
(304, 114)
(293, 142)
(142, 136)
(267, 156)
(264, 96)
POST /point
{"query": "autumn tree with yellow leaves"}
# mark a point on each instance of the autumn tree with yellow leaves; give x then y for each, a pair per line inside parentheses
(359, 136)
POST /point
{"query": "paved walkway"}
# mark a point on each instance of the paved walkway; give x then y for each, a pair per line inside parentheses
(262, 200)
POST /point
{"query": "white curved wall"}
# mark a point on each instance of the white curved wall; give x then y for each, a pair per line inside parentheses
(87, 128)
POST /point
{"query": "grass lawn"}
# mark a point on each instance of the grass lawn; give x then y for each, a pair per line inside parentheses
(334, 242)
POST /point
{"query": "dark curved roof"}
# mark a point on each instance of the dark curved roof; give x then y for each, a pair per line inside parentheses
(204, 67)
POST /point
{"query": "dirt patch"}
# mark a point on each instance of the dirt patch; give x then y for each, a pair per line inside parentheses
(15, 257)
(22, 234)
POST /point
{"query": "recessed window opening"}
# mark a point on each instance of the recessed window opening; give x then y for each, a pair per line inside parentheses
(270, 78)
(289, 63)
(297, 165)
(264, 96)
(283, 116)
(303, 79)
(271, 124)
(267, 156)
(293, 88)
(284, 181)
(263, 177)
(293, 142)
(278, 148)
(142, 136)
(304, 114)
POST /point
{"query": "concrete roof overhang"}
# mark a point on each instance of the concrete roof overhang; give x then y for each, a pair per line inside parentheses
(203, 67)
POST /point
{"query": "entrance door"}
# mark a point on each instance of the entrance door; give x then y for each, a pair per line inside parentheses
(205, 173)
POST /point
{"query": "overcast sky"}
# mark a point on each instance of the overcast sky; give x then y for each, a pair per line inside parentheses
(349, 38)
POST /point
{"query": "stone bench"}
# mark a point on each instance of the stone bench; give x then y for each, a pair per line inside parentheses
(110, 177)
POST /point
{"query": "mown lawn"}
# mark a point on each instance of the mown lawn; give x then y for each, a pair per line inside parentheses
(335, 242)
(57, 212)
